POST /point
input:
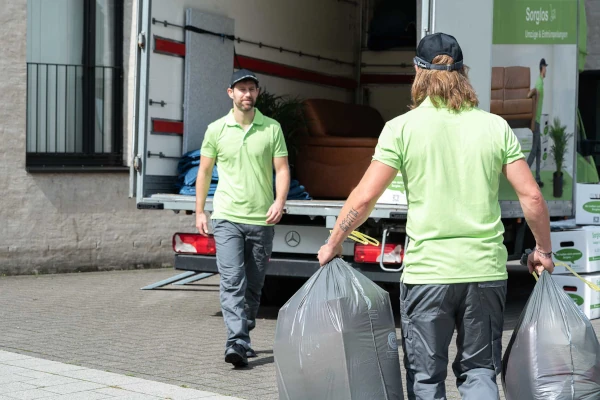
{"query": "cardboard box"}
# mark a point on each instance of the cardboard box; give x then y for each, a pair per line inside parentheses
(395, 193)
(587, 204)
(587, 299)
(580, 248)
(525, 138)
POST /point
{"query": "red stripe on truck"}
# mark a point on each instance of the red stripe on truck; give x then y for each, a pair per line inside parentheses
(169, 46)
(287, 72)
(167, 126)
(176, 48)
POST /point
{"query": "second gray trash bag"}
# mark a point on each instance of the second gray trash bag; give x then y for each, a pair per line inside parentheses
(336, 340)
(553, 353)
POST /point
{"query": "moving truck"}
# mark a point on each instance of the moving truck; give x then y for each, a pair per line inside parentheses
(349, 62)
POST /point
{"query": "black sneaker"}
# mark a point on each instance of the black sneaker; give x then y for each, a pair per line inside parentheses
(250, 353)
(236, 355)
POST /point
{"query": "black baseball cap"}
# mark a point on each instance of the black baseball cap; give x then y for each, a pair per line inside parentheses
(543, 63)
(438, 44)
(241, 75)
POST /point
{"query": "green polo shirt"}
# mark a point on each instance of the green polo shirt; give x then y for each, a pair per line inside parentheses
(451, 165)
(245, 164)
(539, 85)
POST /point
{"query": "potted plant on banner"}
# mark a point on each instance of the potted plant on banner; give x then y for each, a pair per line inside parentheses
(560, 140)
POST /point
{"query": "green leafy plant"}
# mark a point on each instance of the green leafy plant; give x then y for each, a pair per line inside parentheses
(288, 111)
(560, 142)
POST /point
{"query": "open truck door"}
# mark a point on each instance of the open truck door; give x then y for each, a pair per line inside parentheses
(166, 130)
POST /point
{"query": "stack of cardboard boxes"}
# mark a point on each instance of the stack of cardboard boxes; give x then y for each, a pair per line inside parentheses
(579, 247)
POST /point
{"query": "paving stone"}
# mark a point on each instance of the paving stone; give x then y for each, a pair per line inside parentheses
(88, 395)
(50, 380)
(32, 394)
(31, 374)
(15, 387)
(10, 378)
(158, 388)
(79, 386)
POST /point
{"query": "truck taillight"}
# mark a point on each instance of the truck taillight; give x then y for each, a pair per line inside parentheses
(367, 253)
(194, 243)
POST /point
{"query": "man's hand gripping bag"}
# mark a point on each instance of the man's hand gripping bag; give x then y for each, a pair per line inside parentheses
(336, 340)
(553, 353)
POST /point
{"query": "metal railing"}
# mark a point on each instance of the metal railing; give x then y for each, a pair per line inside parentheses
(73, 110)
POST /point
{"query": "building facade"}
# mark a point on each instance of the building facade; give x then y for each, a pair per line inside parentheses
(68, 213)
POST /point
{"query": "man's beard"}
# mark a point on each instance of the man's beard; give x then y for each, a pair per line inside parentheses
(245, 106)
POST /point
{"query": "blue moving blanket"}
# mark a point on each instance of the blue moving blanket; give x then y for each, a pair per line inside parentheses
(188, 166)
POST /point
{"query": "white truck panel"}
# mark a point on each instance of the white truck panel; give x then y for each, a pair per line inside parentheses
(304, 240)
(474, 35)
(170, 146)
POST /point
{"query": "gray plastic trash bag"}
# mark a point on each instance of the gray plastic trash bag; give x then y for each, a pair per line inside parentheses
(336, 340)
(553, 353)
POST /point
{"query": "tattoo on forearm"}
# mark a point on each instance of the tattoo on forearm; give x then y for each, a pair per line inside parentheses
(349, 220)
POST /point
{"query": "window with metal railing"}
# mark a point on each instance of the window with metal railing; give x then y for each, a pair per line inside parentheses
(74, 85)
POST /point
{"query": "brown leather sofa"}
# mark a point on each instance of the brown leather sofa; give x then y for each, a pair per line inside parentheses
(512, 98)
(337, 147)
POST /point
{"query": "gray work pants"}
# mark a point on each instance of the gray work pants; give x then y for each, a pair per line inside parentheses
(242, 254)
(536, 151)
(429, 315)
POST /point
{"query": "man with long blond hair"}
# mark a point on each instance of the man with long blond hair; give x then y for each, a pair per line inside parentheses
(451, 155)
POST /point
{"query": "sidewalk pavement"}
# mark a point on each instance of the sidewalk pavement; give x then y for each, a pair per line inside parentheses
(29, 378)
(175, 336)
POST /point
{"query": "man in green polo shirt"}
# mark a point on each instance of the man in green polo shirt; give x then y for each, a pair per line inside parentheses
(451, 155)
(246, 146)
(536, 146)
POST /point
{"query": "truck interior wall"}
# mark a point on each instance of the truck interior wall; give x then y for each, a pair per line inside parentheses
(315, 27)
(330, 32)
(311, 26)
(391, 100)
(304, 90)
(328, 29)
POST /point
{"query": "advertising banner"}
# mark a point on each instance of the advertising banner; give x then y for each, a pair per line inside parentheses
(534, 87)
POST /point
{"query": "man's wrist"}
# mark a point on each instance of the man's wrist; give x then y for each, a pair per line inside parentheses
(279, 203)
(542, 253)
(330, 246)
